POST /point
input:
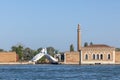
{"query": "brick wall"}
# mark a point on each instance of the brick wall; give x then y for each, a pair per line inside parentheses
(72, 58)
(8, 57)
(117, 57)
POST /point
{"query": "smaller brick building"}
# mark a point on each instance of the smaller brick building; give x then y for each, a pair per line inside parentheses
(6, 57)
(72, 57)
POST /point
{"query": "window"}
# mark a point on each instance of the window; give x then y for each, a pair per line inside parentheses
(97, 56)
(108, 56)
(86, 57)
(101, 56)
(93, 56)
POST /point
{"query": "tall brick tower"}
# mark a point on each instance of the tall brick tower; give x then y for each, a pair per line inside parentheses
(79, 42)
(78, 38)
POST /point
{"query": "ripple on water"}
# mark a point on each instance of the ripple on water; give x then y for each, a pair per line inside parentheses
(59, 72)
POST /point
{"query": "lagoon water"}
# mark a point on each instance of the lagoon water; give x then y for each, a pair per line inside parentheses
(59, 72)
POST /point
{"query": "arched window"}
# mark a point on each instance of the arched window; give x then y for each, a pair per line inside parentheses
(86, 57)
(93, 56)
(101, 56)
(97, 56)
(108, 56)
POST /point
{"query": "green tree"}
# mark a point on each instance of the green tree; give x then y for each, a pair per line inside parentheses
(39, 49)
(51, 51)
(117, 49)
(27, 54)
(56, 51)
(1, 50)
(71, 47)
(42, 60)
(85, 44)
(91, 43)
(19, 50)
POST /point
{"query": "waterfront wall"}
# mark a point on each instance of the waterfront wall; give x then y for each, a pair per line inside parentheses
(117, 57)
(8, 57)
(71, 58)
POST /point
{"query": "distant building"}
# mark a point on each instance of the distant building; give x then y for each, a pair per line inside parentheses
(98, 54)
(93, 54)
(6, 57)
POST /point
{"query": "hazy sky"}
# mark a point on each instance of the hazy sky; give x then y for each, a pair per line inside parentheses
(43, 23)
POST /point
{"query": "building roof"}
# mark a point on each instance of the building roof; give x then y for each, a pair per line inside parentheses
(98, 45)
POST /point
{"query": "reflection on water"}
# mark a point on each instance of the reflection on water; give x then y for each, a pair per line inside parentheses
(59, 72)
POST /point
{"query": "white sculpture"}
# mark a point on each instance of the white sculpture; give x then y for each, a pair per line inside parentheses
(44, 53)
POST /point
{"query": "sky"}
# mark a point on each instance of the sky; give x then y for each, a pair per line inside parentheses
(44, 23)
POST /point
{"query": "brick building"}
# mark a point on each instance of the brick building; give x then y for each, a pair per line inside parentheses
(93, 54)
(98, 54)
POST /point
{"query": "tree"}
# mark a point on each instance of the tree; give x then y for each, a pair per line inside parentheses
(91, 43)
(56, 51)
(27, 54)
(19, 50)
(39, 49)
(117, 49)
(71, 47)
(85, 44)
(50, 50)
(1, 50)
(42, 60)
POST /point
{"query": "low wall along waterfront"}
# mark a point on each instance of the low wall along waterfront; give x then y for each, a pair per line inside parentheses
(6, 57)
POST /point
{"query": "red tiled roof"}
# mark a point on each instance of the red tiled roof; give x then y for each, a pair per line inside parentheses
(98, 45)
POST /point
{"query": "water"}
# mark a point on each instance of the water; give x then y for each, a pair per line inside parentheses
(59, 72)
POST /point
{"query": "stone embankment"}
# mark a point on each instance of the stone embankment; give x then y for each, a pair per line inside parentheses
(17, 63)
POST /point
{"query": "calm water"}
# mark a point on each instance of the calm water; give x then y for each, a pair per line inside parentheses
(59, 72)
